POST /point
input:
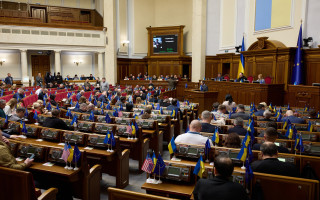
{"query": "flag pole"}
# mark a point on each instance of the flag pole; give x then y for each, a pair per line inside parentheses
(66, 167)
(159, 181)
(75, 160)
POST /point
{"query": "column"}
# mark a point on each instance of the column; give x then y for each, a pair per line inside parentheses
(24, 67)
(100, 65)
(199, 29)
(110, 20)
(57, 61)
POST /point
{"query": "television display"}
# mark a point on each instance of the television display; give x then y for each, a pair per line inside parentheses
(165, 44)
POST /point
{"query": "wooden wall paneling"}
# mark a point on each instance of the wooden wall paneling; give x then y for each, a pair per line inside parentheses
(212, 66)
(312, 65)
(301, 95)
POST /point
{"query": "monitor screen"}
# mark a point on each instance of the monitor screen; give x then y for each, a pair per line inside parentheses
(100, 140)
(31, 150)
(193, 151)
(282, 159)
(233, 155)
(315, 148)
(174, 171)
(74, 137)
(165, 44)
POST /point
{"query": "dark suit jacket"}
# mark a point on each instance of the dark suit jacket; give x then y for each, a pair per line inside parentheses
(274, 166)
(8, 80)
(242, 115)
(209, 128)
(172, 107)
(172, 84)
(41, 95)
(280, 148)
(218, 188)
(164, 104)
(17, 95)
(59, 79)
(238, 129)
(56, 123)
(294, 119)
(259, 113)
(103, 99)
(204, 88)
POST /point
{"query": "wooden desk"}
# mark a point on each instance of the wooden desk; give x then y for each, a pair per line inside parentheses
(205, 99)
(302, 95)
(172, 190)
(80, 81)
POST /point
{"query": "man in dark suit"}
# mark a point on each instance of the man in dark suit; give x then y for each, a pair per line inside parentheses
(238, 127)
(206, 117)
(42, 94)
(174, 106)
(240, 113)
(241, 78)
(8, 80)
(270, 135)
(103, 97)
(260, 111)
(220, 187)
(19, 95)
(54, 121)
(172, 83)
(82, 109)
(203, 87)
(292, 118)
(275, 126)
(219, 77)
(270, 163)
(164, 102)
(59, 78)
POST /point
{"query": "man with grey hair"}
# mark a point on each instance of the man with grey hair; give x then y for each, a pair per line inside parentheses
(19, 95)
(104, 85)
(267, 116)
(2, 105)
(193, 136)
(206, 117)
(18, 117)
(238, 127)
(90, 108)
(80, 94)
(240, 113)
(293, 119)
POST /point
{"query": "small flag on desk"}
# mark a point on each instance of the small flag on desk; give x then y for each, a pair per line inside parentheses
(310, 126)
(158, 106)
(154, 160)
(76, 153)
(24, 128)
(318, 115)
(107, 119)
(112, 140)
(101, 112)
(147, 165)
(68, 114)
(279, 118)
(71, 102)
(90, 98)
(106, 139)
(133, 127)
(65, 153)
(77, 105)
(186, 85)
(115, 113)
(215, 137)
(173, 113)
(160, 166)
(74, 120)
(207, 148)
(199, 169)
(161, 111)
(244, 150)
(49, 106)
(35, 116)
(298, 144)
(91, 117)
(286, 124)
(172, 146)
(249, 172)
(6, 121)
(297, 70)
(70, 157)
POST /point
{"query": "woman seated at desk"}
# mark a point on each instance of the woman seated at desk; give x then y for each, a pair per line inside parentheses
(260, 79)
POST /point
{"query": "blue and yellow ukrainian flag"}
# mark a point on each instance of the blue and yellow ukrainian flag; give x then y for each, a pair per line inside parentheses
(318, 115)
(243, 152)
(215, 137)
(199, 169)
(241, 62)
(173, 113)
(154, 160)
(310, 126)
(172, 146)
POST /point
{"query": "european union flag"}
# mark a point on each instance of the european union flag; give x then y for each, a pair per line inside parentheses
(112, 140)
(161, 111)
(35, 116)
(91, 117)
(186, 85)
(158, 107)
(77, 105)
(6, 121)
(76, 153)
(279, 118)
(107, 119)
(101, 113)
(68, 114)
(24, 128)
(106, 139)
(115, 113)
(49, 106)
(121, 107)
(73, 120)
(71, 102)
(249, 172)
(297, 69)
(90, 98)
(160, 166)
(207, 148)
(108, 107)
(95, 102)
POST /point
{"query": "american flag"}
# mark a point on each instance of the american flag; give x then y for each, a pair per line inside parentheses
(147, 165)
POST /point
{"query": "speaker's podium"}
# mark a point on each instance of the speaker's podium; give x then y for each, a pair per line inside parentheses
(205, 99)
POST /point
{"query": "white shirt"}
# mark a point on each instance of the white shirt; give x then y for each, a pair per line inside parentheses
(38, 91)
(229, 107)
(8, 111)
(192, 138)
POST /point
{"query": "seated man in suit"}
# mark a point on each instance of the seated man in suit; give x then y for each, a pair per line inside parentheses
(206, 117)
(203, 87)
(267, 116)
(103, 97)
(219, 77)
(82, 108)
(270, 135)
(54, 121)
(260, 111)
(42, 94)
(18, 116)
(293, 119)
(164, 102)
(238, 127)
(174, 106)
(19, 95)
(80, 94)
(240, 113)
(90, 108)
(241, 78)
(270, 163)
(273, 125)
(193, 136)
(220, 186)
(7, 159)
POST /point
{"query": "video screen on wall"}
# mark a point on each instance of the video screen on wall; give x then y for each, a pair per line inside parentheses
(165, 44)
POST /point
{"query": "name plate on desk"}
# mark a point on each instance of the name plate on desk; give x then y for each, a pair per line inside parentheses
(311, 148)
(96, 141)
(31, 131)
(26, 150)
(55, 155)
(123, 121)
(122, 131)
(42, 118)
(145, 124)
(159, 118)
(50, 134)
(189, 151)
(177, 172)
(85, 126)
(103, 128)
(73, 137)
(13, 128)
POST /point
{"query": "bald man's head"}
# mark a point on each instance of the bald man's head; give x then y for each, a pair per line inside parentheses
(289, 113)
(195, 126)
